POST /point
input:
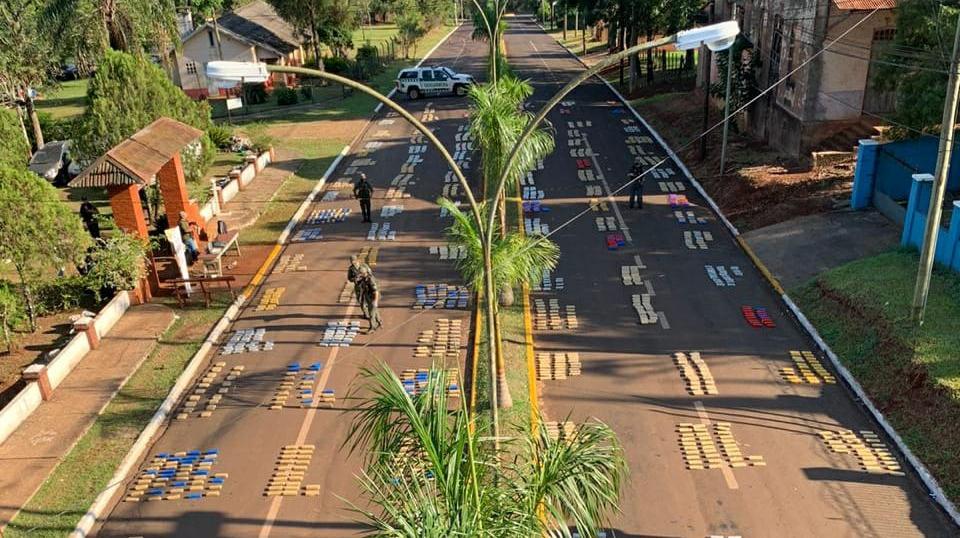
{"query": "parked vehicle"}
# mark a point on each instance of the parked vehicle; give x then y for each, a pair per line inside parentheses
(52, 162)
(420, 81)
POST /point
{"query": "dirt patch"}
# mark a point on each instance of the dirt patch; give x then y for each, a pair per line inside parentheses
(339, 129)
(924, 412)
(760, 186)
(52, 332)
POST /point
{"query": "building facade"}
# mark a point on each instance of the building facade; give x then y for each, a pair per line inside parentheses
(824, 93)
(252, 33)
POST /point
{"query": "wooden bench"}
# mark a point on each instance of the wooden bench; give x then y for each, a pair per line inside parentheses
(207, 286)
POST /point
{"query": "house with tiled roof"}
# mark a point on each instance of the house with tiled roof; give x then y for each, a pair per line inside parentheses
(251, 33)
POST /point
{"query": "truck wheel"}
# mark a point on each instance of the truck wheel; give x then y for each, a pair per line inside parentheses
(413, 93)
(460, 90)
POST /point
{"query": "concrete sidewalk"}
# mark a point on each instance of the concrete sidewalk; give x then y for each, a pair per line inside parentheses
(33, 451)
(801, 248)
(249, 203)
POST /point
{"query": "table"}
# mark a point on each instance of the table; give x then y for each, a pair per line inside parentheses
(212, 261)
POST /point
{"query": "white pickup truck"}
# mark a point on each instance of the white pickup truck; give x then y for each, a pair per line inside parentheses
(419, 81)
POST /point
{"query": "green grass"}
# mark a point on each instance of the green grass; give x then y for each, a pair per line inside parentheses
(68, 492)
(67, 101)
(862, 310)
(318, 155)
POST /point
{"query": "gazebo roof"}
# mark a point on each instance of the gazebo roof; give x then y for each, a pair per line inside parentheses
(139, 158)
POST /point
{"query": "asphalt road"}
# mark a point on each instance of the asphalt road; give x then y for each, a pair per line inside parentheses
(630, 381)
(246, 432)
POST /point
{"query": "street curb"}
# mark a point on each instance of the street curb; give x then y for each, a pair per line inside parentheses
(934, 489)
(135, 454)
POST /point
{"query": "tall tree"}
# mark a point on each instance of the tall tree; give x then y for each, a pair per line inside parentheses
(326, 22)
(429, 474)
(38, 233)
(916, 63)
(85, 29)
(27, 61)
(126, 94)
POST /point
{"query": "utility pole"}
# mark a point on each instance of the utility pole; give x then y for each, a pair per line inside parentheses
(583, 36)
(706, 59)
(726, 102)
(932, 229)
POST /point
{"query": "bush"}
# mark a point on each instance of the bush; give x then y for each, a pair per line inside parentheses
(220, 135)
(254, 94)
(57, 128)
(306, 91)
(337, 65)
(368, 60)
(61, 294)
(285, 96)
(260, 141)
(14, 151)
(116, 265)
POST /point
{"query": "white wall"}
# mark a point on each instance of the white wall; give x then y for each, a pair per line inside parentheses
(198, 50)
(19, 409)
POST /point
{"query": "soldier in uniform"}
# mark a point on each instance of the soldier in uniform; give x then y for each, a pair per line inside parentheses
(636, 188)
(353, 276)
(363, 191)
(370, 297)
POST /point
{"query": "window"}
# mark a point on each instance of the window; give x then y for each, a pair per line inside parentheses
(776, 44)
(409, 74)
(440, 74)
(426, 75)
(884, 34)
(791, 47)
(210, 37)
(191, 67)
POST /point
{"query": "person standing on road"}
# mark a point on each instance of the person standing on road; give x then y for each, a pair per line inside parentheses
(88, 214)
(370, 297)
(637, 176)
(353, 276)
(363, 191)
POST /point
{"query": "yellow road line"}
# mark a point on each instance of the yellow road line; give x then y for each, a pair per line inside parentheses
(262, 271)
(477, 327)
(759, 265)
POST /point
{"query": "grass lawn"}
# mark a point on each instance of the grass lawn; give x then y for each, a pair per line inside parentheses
(67, 101)
(862, 310)
(86, 470)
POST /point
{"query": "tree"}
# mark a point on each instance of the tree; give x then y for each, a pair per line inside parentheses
(496, 121)
(411, 27)
(116, 265)
(39, 234)
(430, 476)
(515, 258)
(915, 64)
(85, 29)
(326, 22)
(26, 57)
(14, 151)
(127, 93)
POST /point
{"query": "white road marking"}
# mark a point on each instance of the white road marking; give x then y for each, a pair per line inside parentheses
(305, 427)
(725, 469)
(606, 187)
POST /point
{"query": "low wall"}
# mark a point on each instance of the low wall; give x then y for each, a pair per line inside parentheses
(888, 168)
(247, 174)
(915, 223)
(229, 191)
(19, 408)
(29, 399)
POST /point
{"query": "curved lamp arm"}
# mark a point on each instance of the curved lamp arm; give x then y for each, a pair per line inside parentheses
(535, 122)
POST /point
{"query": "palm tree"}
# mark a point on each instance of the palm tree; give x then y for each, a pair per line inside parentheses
(496, 123)
(488, 26)
(515, 258)
(429, 476)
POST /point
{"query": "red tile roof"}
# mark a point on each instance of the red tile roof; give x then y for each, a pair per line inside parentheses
(865, 5)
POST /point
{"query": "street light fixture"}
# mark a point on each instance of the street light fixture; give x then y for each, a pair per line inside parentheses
(716, 37)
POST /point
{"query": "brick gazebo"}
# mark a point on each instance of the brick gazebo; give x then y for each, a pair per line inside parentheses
(150, 155)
